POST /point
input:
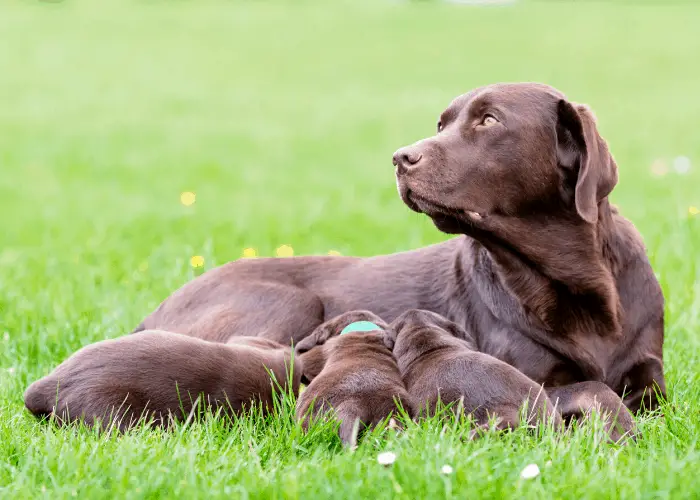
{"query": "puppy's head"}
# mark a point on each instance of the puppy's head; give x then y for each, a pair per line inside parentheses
(416, 332)
(507, 150)
(312, 351)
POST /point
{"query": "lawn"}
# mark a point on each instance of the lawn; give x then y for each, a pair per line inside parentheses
(282, 117)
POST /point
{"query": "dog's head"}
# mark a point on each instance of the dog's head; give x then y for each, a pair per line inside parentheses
(417, 332)
(311, 348)
(507, 150)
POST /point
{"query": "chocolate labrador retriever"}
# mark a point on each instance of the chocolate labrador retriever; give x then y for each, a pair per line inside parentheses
(547, 274)
(158, 376)
(439, 363)
(352, 373)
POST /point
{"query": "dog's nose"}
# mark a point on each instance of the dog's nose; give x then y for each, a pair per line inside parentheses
(406, 158)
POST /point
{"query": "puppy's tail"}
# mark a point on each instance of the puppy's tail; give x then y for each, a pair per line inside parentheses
(40, 397)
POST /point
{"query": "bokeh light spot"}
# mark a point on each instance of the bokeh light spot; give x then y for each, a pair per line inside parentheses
(285, 251)
(188, 198)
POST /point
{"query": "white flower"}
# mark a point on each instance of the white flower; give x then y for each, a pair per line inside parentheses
(548, 464)
(386, 458)
(446, 469)
(681, 164)
(11, 370)
(530, 471)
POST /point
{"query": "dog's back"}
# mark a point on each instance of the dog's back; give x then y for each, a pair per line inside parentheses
(359, 381)
(480, 385)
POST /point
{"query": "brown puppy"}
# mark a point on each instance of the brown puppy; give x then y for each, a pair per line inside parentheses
(577, 401)
(439, 363)
(353, 374)
(158, 375)
(546, 274)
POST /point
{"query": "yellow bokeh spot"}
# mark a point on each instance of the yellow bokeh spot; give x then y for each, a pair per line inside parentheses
(188, 198)
(285, 251)
(334, 253)
(659, 168)
(693, 210)
(250, 253)
(197, 261)
(143, 267)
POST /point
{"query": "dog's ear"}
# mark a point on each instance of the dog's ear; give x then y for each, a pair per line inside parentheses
(334, 326)
(389, 337)
(578, 142)
(312, 363)
(315, 338)
(457, 331)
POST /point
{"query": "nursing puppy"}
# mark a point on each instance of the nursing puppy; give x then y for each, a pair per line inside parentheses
(579, 400)
(159, 375)
(352, 372)
(439, 363)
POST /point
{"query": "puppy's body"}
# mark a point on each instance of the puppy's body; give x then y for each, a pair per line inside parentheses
(439, 367)
(157, 374)
(578, 401)
(354, 375)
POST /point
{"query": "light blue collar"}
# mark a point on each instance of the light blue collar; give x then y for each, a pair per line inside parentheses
(360, 326)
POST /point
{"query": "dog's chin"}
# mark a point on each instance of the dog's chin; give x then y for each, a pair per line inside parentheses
(448, 220)
(449, 225)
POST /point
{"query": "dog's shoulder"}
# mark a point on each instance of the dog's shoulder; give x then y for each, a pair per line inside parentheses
(636, 282)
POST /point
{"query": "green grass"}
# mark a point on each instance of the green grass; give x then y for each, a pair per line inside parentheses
(282, 117)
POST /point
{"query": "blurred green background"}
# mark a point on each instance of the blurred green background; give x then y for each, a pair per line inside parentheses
(282, 118)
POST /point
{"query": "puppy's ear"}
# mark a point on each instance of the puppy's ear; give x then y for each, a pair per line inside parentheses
(578, 142)
(315, 338)
(389, 337)
(312, 363)
(334, 326)
(457, 331)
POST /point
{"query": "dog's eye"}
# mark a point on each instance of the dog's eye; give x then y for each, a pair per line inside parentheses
(439, 127)
(488, 120)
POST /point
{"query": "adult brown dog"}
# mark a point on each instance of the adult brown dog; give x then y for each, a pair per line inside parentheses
(548, 276)
(439, 363)
(353, 374)
(158, 376)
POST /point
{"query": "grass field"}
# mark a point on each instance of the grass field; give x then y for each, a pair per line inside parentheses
(282, 118)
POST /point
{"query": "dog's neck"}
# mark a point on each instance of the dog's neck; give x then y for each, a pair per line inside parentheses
(560, 274)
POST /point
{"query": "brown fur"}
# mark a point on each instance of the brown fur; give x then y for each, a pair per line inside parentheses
(353, 375)
(439, 364)
(546, 274)
(158, 375)
(578, 401)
